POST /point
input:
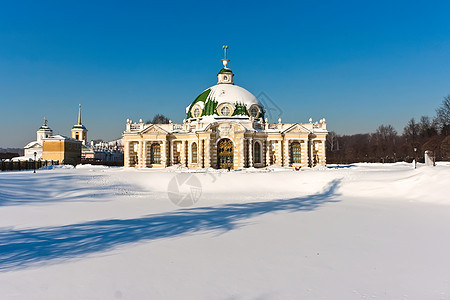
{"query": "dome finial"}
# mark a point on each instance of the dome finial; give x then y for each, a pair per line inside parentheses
(225, 47)
(225, 60)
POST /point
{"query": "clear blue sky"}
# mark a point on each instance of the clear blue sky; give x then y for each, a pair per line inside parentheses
(359, 64)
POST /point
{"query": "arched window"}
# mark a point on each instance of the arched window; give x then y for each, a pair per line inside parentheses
(194, 153)
(257, 153)
(155, 154)
(296, 153)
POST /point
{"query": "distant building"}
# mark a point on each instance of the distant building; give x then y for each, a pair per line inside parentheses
(56, 147)
(104, 151)
(61, 148)
(79, 132)
(36, 146)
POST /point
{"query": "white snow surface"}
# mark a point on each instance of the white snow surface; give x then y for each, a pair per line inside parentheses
(378, 231)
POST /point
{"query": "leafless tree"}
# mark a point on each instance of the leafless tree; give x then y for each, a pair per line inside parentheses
(411, 131)
(332, 141)
(443, 116)
(159, 119)
(427, 128)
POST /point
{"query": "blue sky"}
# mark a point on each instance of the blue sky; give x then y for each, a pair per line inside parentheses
(359, 64)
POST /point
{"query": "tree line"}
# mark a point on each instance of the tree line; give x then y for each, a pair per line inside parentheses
(386, 145)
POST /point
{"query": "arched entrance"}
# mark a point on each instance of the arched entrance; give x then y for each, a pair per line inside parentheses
(225, 154)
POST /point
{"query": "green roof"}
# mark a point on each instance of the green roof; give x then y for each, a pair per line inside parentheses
(79, 127)
(202, 97)
(225, 70)
(240, 110)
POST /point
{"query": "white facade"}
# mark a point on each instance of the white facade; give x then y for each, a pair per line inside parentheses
(36, 146)
(225, 127)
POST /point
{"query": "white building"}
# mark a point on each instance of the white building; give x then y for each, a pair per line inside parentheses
(225, 127)
(36, 146)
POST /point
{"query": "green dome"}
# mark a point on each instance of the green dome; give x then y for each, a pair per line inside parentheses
(225, 70)
(208, 101)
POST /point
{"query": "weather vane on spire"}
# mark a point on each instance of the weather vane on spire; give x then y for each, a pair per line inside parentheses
(225, 60)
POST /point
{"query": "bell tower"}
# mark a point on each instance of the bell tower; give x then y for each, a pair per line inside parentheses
(79, 132)
(43, 132)
(225, 75)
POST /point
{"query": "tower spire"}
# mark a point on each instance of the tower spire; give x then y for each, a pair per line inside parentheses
(79, 114)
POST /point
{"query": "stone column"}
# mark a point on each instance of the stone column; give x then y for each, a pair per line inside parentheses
(242, 153)
(200, 153)
(286, 158)
(268, 144)
(208, 153)
(305, 157)
(126, 154)
(172, 144)
(279, 154)
(144, 154)
(323, 153)
(164, 154)
(183, 153)
(140, 155)
(250, 153)
(188, 154)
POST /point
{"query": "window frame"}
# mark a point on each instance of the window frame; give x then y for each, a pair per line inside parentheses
(194, 159)
(257, 157)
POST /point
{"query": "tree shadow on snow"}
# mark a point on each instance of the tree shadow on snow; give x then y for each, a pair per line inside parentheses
(27, 247)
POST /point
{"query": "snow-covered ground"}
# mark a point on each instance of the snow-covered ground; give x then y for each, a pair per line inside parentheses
(360, 231)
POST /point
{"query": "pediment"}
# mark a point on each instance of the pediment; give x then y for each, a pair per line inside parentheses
(153, 129)
(298, 129)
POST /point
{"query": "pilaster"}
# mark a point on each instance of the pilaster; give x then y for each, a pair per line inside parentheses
(171, 144)
(242, 153)
(164, 154)
(279, 154)
(183, 153)
(126, 152)
(140, 155)
(144, 155)
(250, 153)
(268, 144)
(208, 153)
(286, 159)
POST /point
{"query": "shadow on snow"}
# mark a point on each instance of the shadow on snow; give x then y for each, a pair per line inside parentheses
(15, 189)
(27, 247)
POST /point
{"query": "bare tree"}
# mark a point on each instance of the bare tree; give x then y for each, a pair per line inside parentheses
(427, 128)
(443, 116)
(411, 131)
(385, 137)
(159, 119)
(332, 141)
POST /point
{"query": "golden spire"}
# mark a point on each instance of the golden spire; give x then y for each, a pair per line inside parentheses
(79, 114)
